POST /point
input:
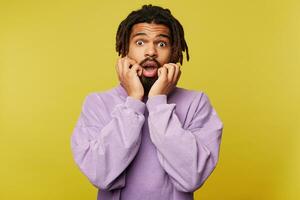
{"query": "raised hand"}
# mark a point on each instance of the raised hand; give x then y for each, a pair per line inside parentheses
(168, 76)
(128, 71)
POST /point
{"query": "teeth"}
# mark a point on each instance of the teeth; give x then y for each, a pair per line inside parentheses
(149, 68)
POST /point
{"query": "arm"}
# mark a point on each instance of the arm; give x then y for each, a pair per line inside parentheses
(188, 155)
(103, 149)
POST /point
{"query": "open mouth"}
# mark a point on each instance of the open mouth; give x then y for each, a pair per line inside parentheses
(150, 67)
(150, 70)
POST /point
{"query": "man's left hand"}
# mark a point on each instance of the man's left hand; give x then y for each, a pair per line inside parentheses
(168, 76)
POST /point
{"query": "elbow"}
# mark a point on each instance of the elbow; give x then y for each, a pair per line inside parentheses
(201, 177)
(187, 187)
(191, 188)
(196, 181)
(109, 185)
(188, 184)
(192, 185)
(99, 183)
(102, 185)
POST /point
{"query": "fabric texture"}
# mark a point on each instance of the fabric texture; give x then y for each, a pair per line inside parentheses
(164, 147)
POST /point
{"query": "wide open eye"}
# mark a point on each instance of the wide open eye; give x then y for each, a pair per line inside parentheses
(139, 42)
(162, 44)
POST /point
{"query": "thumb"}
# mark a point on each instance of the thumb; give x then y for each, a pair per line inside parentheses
(140, 71)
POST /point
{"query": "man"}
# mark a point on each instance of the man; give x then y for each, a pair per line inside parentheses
(147, 139)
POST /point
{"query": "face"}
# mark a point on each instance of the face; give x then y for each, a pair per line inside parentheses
(149, 45)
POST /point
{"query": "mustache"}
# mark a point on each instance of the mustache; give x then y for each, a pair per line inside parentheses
(150, 59)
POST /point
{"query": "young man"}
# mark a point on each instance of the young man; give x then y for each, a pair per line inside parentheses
(146, 138)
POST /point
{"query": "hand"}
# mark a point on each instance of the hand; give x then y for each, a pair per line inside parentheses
(128, 71)
(168, 76)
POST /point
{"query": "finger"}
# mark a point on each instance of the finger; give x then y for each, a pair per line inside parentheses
(177, 71)
(119, 68)
(159, 71)
(137, 69)
(178, 76)
(125, 65)
(171, 71)
(129, 62)
(163, 73)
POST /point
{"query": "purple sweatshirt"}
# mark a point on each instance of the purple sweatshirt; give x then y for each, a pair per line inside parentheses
(161, 148)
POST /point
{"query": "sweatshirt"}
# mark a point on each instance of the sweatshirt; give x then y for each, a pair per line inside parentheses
(160, 148)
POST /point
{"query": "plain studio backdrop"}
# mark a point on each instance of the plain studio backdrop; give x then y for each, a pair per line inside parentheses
(244, 54)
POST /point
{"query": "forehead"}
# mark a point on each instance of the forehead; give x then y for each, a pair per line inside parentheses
(149, 29)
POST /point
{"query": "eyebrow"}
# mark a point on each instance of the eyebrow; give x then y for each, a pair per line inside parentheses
(159, 35)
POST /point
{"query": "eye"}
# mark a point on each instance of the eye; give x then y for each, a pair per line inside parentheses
(139, 42)
(162, 44)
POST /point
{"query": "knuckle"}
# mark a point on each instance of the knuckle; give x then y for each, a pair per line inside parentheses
(135, 66)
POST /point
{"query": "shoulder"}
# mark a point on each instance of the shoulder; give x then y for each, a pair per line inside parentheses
(106, 97)
(192, 100)
(188, 95)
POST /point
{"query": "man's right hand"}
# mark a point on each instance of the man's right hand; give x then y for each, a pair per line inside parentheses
(128, 71)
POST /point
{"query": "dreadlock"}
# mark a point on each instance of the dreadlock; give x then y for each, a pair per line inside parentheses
(157, 15)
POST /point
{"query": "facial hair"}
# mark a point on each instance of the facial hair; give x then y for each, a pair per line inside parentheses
(147, 82)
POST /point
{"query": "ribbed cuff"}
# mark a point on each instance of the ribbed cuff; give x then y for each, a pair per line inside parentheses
(135, 104)
(155, 101)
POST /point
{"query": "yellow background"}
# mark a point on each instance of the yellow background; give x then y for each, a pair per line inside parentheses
(244, 54)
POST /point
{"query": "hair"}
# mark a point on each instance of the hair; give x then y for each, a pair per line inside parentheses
(157, 15)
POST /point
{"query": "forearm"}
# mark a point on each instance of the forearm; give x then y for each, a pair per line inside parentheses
(103, 153)
(185, 156)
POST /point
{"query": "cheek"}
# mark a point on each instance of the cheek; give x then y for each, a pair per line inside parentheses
(133, 51)
(130, 50)
(166, 56)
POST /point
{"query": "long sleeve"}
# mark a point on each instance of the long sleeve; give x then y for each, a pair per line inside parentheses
(103, 143)
(189, 154)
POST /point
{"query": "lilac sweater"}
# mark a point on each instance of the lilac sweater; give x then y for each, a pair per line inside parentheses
(162, 148)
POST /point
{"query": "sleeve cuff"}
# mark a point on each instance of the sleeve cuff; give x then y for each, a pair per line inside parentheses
(155, 101)
(135, 104)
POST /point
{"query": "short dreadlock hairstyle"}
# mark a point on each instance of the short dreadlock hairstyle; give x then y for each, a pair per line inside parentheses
(157, 15)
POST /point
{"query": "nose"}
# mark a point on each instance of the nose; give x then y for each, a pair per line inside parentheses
(151, 51)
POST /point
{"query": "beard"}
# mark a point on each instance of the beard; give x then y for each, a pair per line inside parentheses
(148, 82)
